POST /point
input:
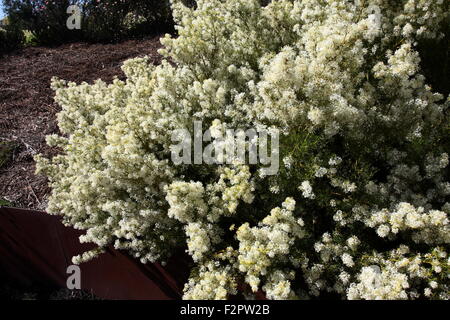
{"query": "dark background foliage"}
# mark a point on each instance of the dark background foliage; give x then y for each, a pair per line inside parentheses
(10, 38)
(102, 21)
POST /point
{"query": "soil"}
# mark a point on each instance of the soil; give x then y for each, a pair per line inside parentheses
(28, 112)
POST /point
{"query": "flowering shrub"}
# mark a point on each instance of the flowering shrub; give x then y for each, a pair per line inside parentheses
(360, 206)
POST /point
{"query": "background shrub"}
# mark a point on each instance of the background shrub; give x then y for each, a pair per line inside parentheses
(46, 19)
(102, 21)
(113, 20)
(10, 38)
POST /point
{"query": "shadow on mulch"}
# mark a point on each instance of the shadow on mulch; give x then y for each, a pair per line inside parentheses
(27, 109)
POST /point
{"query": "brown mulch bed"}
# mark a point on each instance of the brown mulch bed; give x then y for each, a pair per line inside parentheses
(27, 109)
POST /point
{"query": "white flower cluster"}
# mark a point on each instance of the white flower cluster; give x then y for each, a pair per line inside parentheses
(187, 205)
(429, 227)
(365, 180)
(214, 283)
(278, 286)
(331, 255)
(376, 285)
(399, 272)
(186, 201)
(271, 240)
(307, 190)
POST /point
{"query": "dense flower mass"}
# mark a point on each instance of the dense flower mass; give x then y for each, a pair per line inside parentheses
(360, 206)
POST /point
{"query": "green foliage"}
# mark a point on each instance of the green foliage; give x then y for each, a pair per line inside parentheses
(5, 203)
(30, 38)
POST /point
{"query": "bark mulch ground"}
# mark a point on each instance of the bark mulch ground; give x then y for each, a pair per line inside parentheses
(28, 112)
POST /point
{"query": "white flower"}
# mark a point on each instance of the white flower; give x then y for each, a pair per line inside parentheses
(347, 260)
(321, 172)
(353, 242)
(306, 189)
(315, 115)
(383, 230)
